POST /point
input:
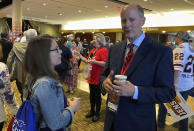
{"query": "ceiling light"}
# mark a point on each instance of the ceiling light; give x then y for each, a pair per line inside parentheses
(44, 4)
(145, 0)
(92, 32)
(83, 32)
(103, 32)
(171, 9)
(28, 9)
(79, 11)
(60, 14)
(163, 31)
(189, 31)
(105, 6)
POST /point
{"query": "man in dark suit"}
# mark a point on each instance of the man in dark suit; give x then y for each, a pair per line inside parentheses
(148, 66)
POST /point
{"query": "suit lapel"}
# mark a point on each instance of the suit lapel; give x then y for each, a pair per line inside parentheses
(120, 56)
(142, 51)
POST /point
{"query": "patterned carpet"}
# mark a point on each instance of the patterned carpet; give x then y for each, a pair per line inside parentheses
(85, 124)
(80, 122)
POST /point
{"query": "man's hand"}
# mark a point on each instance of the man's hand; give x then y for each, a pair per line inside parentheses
(107, 84)
(123, 88)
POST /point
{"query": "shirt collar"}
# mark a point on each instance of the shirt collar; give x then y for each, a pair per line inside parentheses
(138, 41)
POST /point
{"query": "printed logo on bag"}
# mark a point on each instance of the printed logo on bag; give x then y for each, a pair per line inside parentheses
(18, 125)
(176, 107)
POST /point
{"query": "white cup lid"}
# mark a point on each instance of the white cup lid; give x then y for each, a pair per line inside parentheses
(121, 77)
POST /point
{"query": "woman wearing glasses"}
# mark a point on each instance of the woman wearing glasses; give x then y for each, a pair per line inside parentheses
(52, 109)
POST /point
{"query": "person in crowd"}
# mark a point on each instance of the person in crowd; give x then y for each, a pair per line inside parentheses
(18, 38)
(117, 41)
(53, 111)
(6, 47)
(96, 60)
(169, 44)
(85, 48)
(69, 41)
(23, 39)
(66, 56)
(15, 61)
(72, 75)
(148, 66)
(183, 76)
(79, 45)
(6, 93)
(78, 42)
(110, 44)
(61, 41)
(91, 46)
(107, 38)
(191, 124)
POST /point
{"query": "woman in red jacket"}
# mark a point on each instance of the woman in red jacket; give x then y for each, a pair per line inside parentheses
(96, 61)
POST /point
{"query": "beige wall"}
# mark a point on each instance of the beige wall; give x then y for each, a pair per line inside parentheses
(44, 28)
(3, 25)
(119, 36)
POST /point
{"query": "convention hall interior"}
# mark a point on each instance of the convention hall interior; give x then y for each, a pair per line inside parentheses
(84, 18)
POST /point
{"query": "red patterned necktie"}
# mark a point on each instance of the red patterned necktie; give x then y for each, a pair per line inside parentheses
(128, 57)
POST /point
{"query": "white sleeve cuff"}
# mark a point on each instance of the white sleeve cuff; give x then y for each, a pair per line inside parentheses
(135, 96)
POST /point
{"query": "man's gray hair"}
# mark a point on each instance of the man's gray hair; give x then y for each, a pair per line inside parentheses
(139, 9)
(100, 38)
(31, 33)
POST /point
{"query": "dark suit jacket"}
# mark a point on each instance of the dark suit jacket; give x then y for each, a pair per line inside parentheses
(152, 71)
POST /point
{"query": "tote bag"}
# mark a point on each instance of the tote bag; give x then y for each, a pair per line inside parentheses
(25, 118)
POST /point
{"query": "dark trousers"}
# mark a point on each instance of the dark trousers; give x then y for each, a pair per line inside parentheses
(95, 99)
(79, 62)
(85, 52)
(20, 88)
(182, 125)
(109, 120)
(1, 126)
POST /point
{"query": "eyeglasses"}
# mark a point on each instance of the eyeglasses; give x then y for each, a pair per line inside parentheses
(56, 49)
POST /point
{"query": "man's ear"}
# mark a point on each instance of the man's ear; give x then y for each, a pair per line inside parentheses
(143, 21)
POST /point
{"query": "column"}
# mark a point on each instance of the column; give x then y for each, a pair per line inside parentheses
(16, 18)
(119, 36)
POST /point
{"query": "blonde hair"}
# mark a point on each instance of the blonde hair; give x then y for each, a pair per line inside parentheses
(100, 38)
